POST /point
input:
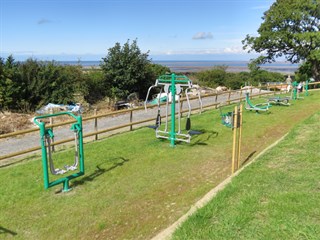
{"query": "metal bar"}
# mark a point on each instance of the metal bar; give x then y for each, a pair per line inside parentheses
(173, 110)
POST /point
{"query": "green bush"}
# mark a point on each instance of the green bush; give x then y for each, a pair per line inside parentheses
(26, 86)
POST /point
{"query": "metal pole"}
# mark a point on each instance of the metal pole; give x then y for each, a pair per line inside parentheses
(81, 154)
(44, 155)
(173, 110)
(51, 123)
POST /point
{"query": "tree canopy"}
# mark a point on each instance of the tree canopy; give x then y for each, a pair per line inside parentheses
(128, 70)
(290, 29)
(26, 86)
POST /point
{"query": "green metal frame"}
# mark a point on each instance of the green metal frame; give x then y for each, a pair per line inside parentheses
(258, 107)
(173, 79)
(47, 131)
(306, 88)
(226, 118)
(294, 90)
(295, 95)
(279, 101)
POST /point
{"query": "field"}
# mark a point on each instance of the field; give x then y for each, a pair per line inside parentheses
(136, 185)
(276, 197)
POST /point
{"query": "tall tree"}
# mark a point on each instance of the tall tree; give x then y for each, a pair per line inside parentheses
(290, 28)
(126, 70)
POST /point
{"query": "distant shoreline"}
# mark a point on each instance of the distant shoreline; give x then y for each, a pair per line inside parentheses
(197, 66)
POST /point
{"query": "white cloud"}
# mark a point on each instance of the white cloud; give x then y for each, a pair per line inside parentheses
(234, 50)
(202, 35)
(204, 51)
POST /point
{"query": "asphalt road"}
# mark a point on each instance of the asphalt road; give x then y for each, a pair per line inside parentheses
(27, 141)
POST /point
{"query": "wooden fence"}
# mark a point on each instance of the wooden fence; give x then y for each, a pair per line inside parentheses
(230, 96)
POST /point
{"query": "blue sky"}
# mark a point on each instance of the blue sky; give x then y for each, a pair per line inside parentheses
(169, 30)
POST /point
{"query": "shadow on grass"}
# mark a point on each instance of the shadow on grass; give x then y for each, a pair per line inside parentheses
(202, 141)
(99, 171)
(7, 231)
(248, 158)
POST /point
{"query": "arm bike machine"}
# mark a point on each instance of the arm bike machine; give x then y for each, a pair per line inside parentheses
(46, 139)
(173, 85)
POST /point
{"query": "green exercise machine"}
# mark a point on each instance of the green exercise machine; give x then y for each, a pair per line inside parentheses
(46, 140)
(281, 101)
(173, 85)
(295, 94)
(226, 118)
(263, 107)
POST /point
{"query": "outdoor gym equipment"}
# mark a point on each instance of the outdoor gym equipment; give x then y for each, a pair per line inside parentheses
(173, 84)
(46, 139)
(306, 86)
(226, 118)
(295, 94)
(233, 120)
(279, 101)
(258, 107)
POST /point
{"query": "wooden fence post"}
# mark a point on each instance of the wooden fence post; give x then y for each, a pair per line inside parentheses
(95, 124)
(131, 117)
(234, 142)
(239, 138)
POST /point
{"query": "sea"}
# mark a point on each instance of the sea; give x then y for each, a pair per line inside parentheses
(196, 66)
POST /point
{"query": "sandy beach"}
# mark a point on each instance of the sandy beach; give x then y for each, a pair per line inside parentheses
(197, 66)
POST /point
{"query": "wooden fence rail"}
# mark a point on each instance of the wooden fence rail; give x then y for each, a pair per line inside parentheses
(132, 123)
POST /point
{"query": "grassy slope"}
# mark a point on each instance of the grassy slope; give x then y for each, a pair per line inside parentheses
(277, 197)
(135, 185)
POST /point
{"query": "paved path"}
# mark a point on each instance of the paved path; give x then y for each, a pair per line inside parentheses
(27, 141)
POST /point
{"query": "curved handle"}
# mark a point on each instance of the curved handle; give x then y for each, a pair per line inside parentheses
(35, 120)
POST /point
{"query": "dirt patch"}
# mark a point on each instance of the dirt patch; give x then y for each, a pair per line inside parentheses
(11, 122)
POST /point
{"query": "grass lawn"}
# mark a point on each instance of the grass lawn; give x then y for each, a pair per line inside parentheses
(276, 197)
(135, 185)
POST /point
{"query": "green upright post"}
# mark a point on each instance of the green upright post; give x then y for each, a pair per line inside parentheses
(294, 90)
(173, 110)
(81, 154)
(306, 87)
(44, 153)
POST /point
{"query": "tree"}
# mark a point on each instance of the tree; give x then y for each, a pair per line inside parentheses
(290, 28)
(9, 83)
(126, 70)
(214, 77)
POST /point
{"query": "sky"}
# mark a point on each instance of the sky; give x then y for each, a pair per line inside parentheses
(167, 29)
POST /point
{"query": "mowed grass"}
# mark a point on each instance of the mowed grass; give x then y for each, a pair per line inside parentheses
(135, 185)
(276, 197)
